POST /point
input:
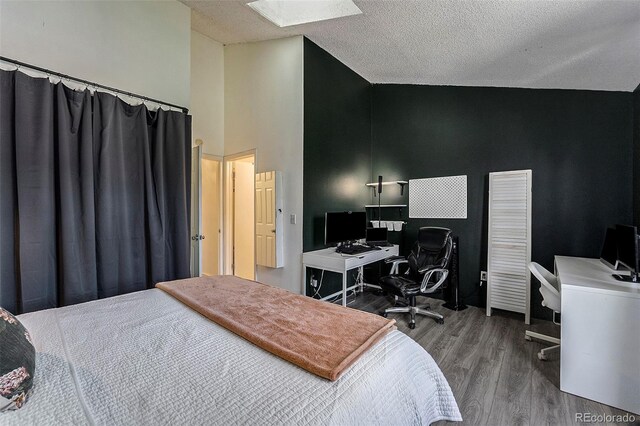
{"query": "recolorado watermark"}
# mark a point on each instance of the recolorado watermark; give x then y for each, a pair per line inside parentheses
(604, 418)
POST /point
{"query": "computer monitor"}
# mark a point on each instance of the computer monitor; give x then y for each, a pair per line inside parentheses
(376, 235)
(343, 227)
(609, 252)
(627, 237)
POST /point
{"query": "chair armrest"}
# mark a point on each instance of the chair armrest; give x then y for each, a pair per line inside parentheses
(395, 261)
(427, 268)
(427, 278)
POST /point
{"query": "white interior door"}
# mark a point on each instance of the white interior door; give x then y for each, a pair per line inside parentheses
(211, 214)
(244, 218)
(269, 220)
(266, 219)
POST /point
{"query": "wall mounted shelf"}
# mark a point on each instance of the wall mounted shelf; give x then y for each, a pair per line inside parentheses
(385, 205)
(374, 187)
(382, 206)
(402, 184)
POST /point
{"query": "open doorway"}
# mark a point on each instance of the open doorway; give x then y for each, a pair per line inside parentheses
(239, 245)
(211, 218)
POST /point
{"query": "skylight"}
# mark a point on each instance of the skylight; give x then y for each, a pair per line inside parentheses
(285, 13)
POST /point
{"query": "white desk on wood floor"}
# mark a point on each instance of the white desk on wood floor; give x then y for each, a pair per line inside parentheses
(329, 260)
(600, 334)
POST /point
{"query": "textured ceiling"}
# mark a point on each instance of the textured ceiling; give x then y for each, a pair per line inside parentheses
(537, 44)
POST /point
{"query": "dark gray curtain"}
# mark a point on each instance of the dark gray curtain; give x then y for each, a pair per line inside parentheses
(94, 195)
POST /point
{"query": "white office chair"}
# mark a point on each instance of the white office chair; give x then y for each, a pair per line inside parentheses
(549, 288)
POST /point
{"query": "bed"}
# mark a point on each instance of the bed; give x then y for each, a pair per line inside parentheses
(146, 358)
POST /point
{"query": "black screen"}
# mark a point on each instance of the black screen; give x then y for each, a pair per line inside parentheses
(340, 227)
(609, 253)
(627, 237)
(376, 234)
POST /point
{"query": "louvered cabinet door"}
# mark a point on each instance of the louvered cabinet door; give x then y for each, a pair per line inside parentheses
(509, 252)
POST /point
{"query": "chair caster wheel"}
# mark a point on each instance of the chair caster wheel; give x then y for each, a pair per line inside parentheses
(528, 338)
(541, 356)
(440, 321)
(412, 325)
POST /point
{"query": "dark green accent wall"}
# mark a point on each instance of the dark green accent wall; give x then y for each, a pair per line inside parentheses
(581, 146)
(578, 144)
(337, 145)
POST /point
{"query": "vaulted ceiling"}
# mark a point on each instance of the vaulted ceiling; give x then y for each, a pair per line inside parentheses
(564, 44)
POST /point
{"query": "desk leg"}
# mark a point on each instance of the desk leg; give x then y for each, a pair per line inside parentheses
(344, 288)
(304, 279)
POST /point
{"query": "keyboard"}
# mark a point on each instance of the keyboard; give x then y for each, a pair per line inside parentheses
(380, 243)
(355, 249)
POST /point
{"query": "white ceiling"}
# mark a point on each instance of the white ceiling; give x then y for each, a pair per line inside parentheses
(561, 44)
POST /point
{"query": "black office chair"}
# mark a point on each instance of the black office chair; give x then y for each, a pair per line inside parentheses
(426, 272)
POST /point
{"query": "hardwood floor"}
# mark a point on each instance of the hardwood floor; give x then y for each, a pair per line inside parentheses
(494, 373)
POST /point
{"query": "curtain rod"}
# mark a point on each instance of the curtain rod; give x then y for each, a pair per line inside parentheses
(90, 83)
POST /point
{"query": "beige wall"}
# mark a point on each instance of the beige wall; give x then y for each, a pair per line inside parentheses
(245, 96)
(138, 46)
(207, 93)
(264, 110)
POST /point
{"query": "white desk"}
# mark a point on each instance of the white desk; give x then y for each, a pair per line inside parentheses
(600, 334)
(328, 260)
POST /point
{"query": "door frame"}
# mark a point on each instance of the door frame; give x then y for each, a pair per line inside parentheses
(219, 159)
(196, 211)
(227, 234)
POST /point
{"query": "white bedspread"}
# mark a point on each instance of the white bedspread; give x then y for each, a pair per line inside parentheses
(146, 359)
